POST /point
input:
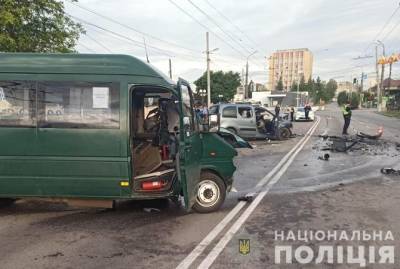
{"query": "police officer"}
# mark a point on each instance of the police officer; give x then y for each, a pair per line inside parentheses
(346, 110)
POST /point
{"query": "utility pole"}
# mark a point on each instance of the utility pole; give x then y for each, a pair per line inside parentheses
(383, 65)
(378, 86)
(246, 85)
(170, 69)
(208, 52)
(145, 49)
(298, 92)
(208, 71)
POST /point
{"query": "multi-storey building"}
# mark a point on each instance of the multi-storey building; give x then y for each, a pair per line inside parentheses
(290, 65)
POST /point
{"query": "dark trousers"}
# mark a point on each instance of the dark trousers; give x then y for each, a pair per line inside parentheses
(346, 124)
(306, 114)
(291, 116)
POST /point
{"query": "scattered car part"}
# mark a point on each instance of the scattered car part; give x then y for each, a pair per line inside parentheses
(247, 198)
(390, 171)
(376, 136)
(325, 157)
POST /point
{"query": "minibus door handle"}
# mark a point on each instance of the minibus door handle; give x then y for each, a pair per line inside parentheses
(188, 147)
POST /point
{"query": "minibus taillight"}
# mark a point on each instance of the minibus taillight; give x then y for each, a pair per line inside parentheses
(153, 185)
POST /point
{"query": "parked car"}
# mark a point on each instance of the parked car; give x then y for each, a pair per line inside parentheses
(250, 121)
(301, 115)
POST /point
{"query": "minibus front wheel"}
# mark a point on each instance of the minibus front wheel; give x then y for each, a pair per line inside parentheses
(211, 193)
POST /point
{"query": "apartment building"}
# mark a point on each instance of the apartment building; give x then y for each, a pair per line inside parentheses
(291, 65)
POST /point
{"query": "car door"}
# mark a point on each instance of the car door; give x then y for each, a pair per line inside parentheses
(246, 121)
(190, 145)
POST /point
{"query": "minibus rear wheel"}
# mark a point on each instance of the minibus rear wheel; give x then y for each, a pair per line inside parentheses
(211, 193)
(4, 202)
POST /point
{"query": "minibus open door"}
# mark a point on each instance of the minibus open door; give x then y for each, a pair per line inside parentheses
(190, 145)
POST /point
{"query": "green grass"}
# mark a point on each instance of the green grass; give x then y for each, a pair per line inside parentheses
(394, 114)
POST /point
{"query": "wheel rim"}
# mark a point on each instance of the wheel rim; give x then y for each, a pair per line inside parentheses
(208, 193)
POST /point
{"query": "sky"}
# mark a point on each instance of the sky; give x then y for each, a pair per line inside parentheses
(337, 32)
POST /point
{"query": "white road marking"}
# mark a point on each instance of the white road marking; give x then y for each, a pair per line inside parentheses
(212, 256)
(199, 249)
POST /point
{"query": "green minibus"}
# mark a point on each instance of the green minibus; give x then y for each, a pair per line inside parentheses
(96, 127)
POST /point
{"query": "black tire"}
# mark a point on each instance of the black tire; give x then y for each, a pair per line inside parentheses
(232, 130)
(5, 202)
(215, 182)
(284, 133)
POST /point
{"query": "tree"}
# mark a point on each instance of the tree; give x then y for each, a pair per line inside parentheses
(330, 90)
(352, 98)
(303, 85)
(37, 26)
(342, 98)
(317, 92)
(294, 86)
(279, 86)
(222, 83)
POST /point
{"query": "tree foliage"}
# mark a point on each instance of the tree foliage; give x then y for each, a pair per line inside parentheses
(222, 83)
(349, 98)
(342, 98)
(36, 26)
(321, 91)
(302, 85)
(279, 86)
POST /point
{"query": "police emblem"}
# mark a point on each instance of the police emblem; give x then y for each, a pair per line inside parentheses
(244, 246)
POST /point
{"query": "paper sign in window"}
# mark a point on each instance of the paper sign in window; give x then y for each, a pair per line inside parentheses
(101, 97)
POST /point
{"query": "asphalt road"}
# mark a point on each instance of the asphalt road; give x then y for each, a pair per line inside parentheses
(44, 235)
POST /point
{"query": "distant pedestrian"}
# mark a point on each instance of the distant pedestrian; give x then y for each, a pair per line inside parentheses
(307, 110)
(277, 110)
(346, 110)
(292, 114)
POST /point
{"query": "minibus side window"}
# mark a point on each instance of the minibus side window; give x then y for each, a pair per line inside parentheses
(17, 104)
(78, 105)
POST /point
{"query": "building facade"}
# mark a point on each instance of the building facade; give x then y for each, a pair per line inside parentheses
(290, 65)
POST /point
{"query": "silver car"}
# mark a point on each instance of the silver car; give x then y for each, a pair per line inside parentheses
(249, 121)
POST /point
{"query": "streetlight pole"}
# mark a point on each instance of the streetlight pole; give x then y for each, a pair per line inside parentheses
(246, 85)
(298, 92)
(379, 83)
(378, 86)
(208, 52)
(208, 71)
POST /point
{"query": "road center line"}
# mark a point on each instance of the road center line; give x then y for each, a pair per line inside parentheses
(212, 256)
(199, 249)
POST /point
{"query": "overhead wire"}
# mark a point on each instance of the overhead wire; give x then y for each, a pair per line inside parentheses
(132, 28)
(222, 30)
(382, 29)
(233, 24)
(86, 47)
(98, 42)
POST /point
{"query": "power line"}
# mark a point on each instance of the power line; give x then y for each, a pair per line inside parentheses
(230, 21)
(204, 26)
(391, 31)
(383, 28)
(86, 47)
(219, 26)
(134, 42)
(98, 43)
(131, 28)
